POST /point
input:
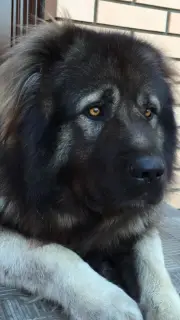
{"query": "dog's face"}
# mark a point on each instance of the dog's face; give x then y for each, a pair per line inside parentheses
(94, 115)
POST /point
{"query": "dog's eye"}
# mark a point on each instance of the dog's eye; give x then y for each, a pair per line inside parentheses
(97, 112)
(148, 113)
(94, 111)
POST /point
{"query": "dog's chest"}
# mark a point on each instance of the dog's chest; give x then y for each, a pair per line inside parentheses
(113, 231)
(81, 233)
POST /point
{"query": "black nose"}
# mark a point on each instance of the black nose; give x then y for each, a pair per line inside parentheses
(149, 168)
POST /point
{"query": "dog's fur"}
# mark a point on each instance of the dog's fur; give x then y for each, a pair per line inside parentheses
(65, 176)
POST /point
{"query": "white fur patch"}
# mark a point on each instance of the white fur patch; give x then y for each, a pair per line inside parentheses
(59, 275)
(159, 299)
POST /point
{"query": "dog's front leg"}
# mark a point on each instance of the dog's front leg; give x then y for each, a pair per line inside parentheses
(60, 275)
(159, 299)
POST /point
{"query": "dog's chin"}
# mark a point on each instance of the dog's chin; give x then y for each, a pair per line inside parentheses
(142, 203)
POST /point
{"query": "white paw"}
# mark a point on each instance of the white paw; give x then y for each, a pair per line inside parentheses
(164, 307)
(110, 305)
(83, 293)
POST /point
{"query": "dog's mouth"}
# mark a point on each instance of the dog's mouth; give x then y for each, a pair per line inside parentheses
(93, 204)
(140, 203)
(104, 198)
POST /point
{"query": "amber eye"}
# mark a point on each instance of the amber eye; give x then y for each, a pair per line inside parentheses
(148, 113)
(94, 111)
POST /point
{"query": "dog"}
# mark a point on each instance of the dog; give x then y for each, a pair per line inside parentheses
(87, 146)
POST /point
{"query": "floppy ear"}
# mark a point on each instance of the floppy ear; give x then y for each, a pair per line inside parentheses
(28, 121)
(36, 132)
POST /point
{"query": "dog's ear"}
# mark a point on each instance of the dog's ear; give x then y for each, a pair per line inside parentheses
(27, 115)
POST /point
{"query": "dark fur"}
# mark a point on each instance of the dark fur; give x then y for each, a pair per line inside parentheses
(86, 201)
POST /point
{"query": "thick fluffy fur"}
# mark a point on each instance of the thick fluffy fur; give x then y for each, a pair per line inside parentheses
(69, 178)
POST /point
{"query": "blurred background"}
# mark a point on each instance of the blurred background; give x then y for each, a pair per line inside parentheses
(155, 20)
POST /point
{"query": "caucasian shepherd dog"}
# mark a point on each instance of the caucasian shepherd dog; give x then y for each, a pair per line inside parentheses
(87, 145)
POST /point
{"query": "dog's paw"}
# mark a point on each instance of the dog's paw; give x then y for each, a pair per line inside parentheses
(111, 305)
(165, 307)
(122, 307)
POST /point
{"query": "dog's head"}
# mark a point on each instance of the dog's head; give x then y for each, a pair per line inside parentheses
(89, 112)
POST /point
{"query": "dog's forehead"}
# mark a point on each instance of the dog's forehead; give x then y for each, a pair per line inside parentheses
(96, 61)
(118, 49)
(111, 58)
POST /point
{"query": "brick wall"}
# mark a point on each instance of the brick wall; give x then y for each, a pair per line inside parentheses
(158, 21)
